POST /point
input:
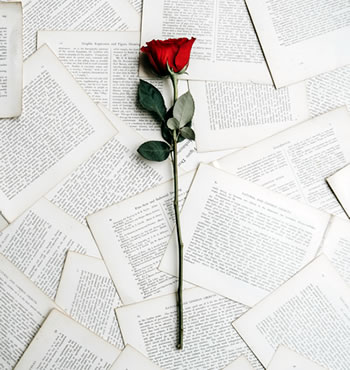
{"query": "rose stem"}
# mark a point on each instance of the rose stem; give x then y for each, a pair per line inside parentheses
(178, 227)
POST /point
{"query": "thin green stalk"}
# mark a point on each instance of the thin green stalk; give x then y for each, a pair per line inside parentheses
(178, 227)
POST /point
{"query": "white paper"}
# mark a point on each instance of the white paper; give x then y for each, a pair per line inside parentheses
(87, 294)
(226, 46)
(297, 161)
(62, 343)
(234, 114)
(37, 243)
(132, 236)
(301, 39)
(286, 359)
(114, 173)
(59, 128)
(209, 341)
(339, 182)
(10, 59)
(240, 364)
(131, 359)
(240, 240)
(3, 222)
(23, 308)
(82, 15)
(309, 314)
(336, 246)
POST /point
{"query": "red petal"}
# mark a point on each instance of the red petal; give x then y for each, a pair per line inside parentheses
(183, 56)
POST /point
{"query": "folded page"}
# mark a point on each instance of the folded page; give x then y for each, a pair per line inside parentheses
(23, 308)
(62, 343)
(82, 15)
(309, 314)
(339, 182)
(240, 364)
(234, 114)
(131, 359)
(209, 341)
(37, 243)
(10, 59)
(226, 46)
(297, 161)
(87, 294)
(286, 359)
(132, 237)
(59, 128)
(301, 39)
(336, 246)
(112, 174)
(241, 240)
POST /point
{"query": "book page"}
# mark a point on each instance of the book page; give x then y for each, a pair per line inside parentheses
(80, 15)
(132, 236)
(241, 240)
(336, 246)
(301, 39)
(59, 128)
(309, 314)
(240, 364)
(339, 182)
(226, 46)
(328, 91)
(3, 222)
(234, 114)
(23, 308)
(297, 161)
(114, 173)
(10, 59)
(62, 343)
(286, 359)
(87, 294)
(209, 339)
(137, 5)
(131, 359)
(37, 243)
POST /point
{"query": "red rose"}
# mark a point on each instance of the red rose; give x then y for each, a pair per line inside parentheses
(174, 51)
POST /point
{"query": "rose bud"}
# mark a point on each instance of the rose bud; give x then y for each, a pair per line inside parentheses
(174, 52)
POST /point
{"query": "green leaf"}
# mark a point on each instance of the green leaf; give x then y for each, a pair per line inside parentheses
(154, 150)
(188, 133)
(173, 123)
(166, 133)
(184, 109)
(151, 99)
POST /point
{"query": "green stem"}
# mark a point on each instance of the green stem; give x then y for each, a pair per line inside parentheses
(180, 245)
(178, 226)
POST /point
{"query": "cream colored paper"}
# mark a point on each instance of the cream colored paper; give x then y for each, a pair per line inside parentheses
(309, 314)
(226, 48)
(62, 343)
(132, 236)
(37, 243)
(87, 294)
(3, 222)
(241, 240)
(210, 341)
(131, 359)
(301, 39)
(233, 114)
(336, 246)
(11, 64)
(82, 15)
(114, 173)
(286, 359)
(240, 364)
(59, 128)
(339, 182)
(297, 161)
(23, 308)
